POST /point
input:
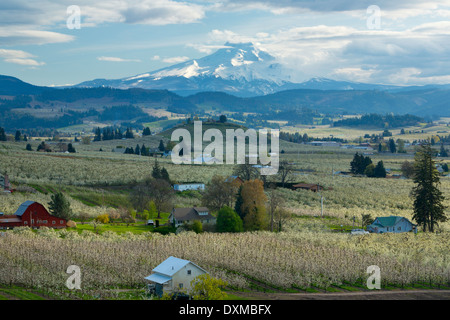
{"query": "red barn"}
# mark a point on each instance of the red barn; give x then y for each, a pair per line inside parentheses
(31, 214)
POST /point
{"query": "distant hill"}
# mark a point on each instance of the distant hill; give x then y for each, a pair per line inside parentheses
(205, 126)
(13, 86)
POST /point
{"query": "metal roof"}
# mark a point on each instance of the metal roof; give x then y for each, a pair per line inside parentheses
(158, 278)
(172, 265)
(388, 221)
(23, 207)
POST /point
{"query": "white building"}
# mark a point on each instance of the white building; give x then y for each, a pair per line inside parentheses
(173, 275)
(189, 186)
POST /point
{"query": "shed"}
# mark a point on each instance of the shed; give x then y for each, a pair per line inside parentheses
(173, 275)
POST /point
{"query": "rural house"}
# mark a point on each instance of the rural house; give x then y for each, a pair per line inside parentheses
(393, 224)
(187, 215)
(173, 275)
(189, 186)
(235, 179)
(31, 214)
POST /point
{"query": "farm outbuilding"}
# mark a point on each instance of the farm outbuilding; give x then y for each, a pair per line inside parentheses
(31, 214)
(173, 275)
(189, 186)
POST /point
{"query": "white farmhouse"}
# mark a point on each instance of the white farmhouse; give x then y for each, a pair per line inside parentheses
(173, 275)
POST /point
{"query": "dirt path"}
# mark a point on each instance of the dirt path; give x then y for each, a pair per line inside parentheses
(361, 295)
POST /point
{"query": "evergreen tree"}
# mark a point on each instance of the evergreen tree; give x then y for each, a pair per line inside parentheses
(165, 175)
(223, 118)
(28, 148)
(161, 146)
(392, 146)
(18, 136)
(98, 134)
(156, 171)
(59, 206)
(70, 148)
(144, 151)
(146, 132)
(137, 150)
(359, 163)
(379, 171)
(428, 199)
(2, 134)
(129, 134)
(238, 203)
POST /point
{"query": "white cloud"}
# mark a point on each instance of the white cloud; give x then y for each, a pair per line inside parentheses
(175, 59)
(23, 36)
(19, 57)
(116, 59)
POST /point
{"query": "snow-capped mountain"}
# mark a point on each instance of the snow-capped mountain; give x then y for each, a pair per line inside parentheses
(240, 69)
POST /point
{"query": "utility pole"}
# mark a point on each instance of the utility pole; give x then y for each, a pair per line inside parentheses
(321, 205)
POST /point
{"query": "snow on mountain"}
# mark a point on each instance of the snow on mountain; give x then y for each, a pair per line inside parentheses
(238, 68)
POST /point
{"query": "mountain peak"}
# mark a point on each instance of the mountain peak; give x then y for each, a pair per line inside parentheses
(236, 68)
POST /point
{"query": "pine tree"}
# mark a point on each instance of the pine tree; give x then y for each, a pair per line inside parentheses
(238, 203)
(156, 171)
(144, 150)
(98, 134)
(392, 146)
(18, 136)
(2, 134)
(161, 146)
(28, 148)
(70, 148)
(137, 150)
(379, 171)
(428, 199)
(146, 132)
(60, 207)
(165, 175)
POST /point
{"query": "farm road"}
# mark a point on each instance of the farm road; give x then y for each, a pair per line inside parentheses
(362, 295)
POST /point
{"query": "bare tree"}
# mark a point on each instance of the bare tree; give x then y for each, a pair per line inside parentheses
(246, 172)
(219, 193)
(161, 193)
(275, 200)
(285, 172)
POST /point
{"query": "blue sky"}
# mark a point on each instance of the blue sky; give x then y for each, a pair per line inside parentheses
(120, 38)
